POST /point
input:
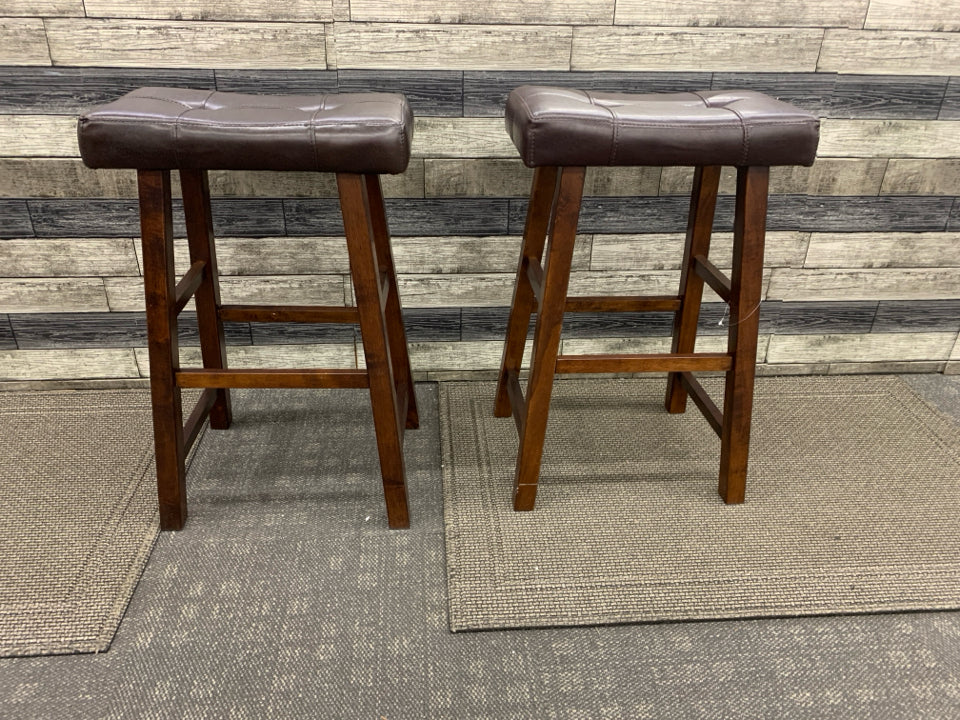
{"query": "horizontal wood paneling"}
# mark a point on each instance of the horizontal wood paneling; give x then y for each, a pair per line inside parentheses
(793, 50)
(953, 366)
(883, 250)
(934, 15)
(827, 176)
(319, 355)
(889, 138)
(7, 341)
(63, 178)
(452, 47)
(37, 257)
(430, 93)
(135, 43)
(910, 317)
(741, 13)
(565, 12)
(15, 219)
(461, 137)
(871, 284)
(38, 135)
(41, 8)
(603, 346)
(636, 283)
(951, 101)
(37, 295)
(471, 355)
(255, 10)
(67, 364)
(23, 42)
(890, 52)
(921, 177)
(813, 318)
(874, 347)
(478, 289)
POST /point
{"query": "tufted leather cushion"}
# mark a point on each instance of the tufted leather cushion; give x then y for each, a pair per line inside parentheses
(166, 128)
(557, 126)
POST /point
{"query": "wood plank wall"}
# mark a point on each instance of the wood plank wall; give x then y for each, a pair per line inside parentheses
(863, 266)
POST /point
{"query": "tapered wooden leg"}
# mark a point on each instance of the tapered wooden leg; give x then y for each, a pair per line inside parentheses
(361, 247)
(745, 285)
(546, 339)
(703, 202)
(156, 227)
(397, 336)
(542, 197)
(213, 348)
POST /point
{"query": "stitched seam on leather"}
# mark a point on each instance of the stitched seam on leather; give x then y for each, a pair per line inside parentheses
(313, 134)
(614, 130)
(532, 133)
(161, 99)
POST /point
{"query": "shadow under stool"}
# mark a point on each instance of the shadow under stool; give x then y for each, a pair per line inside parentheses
(561, 132)
(358, 137)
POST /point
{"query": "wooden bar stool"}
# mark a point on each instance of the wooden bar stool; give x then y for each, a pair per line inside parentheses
(560, 132)
(356, 136)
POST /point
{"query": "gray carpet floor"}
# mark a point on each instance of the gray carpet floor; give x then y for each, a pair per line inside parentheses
(288, 600)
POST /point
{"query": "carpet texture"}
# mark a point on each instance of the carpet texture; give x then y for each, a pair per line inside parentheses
(852, 505)
(79, 516)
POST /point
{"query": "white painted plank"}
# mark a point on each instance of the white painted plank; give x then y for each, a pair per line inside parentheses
(452, 47)
(67, 364)
(23, 42)
(151, 43)
(890, 138)
(469, 355)
(884, 250)
(38, 295)
(678, 49)
(743, 13)
(890, 52)
(547, 12)
(38, 136)
(857, 347)
(638, 283)
(255, 10)
(319, 355)
(41, 8)
(935, 15)
(71, 257)
(870, 284)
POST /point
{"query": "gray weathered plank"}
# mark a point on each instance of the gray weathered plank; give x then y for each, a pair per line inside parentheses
(23, 42)
(869, 284)
(885, 368)
(35, 257)
(41, 8)
(883, 250)
(461, 137)
(430, 93)
(32, 295)
(452, 47)
(459, 356)
(741, 13)
(918, 316)
(15, 219)
(879, 96)
(637, 282)
(7, 340)
(818, 318)
(38, 136)
(921, 177)
(67, 364)
(136, 43)
(809, 90)
(950, 110)
(889, 138)
(478, 289)
(449, 255)
(318, 355)
(716, 49)
(485, 91)
(255, 10)
(935, 15)
(251, 183)
(890, 52)
(276, 82)
(872, 347)
(63, 178)
(40, 90)
(528, 12)
(827, 176)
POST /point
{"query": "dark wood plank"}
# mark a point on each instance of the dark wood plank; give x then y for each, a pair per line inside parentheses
(858, 214)
(432, 324)
(272, 378)
(15, 219)
(950, 109)
(810, 91)
(7, 339)
(887, 96)
(485, 92)
(954, 222)
(437, 93)
(302, 333)
(817, 318)
(46, 90)
(911, 316)
(618, 214)
(277, 82)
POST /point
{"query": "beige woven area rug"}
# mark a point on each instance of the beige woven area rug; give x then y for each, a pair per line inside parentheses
(78, 516)
(853, 506)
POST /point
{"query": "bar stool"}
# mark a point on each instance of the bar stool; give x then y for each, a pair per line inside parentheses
(356, 136)
(560, 132)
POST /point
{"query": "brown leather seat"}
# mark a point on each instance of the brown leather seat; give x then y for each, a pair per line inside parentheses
(556, 126)
(173, 128)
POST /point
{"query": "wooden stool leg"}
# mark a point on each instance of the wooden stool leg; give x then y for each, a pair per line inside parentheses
(542, 196)
(703, 202)
(156, 223)
(406, 397)
(354, 205)
(546, 339)
(213, 348)
(745, 285)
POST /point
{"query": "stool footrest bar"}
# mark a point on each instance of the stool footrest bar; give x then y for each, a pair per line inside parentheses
(261, 378)
(712, 275)
(201, 410)
(535, 277)
(658, 362)
(625, 303)
(289, 313)
(709, 409)
(188, 284)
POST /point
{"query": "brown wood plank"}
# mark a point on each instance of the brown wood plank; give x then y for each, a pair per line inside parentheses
(289, 313)
(652, 362)
(702, 400)
(713, 276)
(188, 285)
(535, 278)
(703, 203)
(625, 303)
(542, 195)
(156, 231)
(517, 402)
(272, 378)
